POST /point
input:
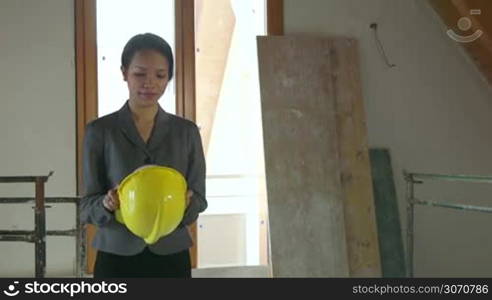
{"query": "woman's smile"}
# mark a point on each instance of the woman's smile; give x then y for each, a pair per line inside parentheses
(148, 95)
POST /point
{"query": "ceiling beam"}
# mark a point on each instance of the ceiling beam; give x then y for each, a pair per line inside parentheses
(463, 12)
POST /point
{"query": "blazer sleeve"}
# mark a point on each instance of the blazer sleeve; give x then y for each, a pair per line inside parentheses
(94, 178)
(195, 177)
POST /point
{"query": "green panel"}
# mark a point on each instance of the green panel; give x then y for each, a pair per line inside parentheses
(387, 215)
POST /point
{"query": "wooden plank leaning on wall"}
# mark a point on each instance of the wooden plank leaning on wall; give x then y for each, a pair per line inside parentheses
(302, 164)
(320, 194)
(86, 77)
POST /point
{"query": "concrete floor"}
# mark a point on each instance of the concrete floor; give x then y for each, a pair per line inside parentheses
(225, 272)
(232, 272)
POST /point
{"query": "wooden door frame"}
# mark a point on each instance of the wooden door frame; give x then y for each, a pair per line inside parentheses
(275, 17)
(86, 93)
(86, 78)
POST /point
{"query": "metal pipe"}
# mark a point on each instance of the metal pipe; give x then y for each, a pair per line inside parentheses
(38, 235)
(410, 223)
(18, 200)
(70, 232)
(16, 232)
(454, 206)
(78, 258)
(40, 230)
(83, 250)
(9, 179)
(463, 178)
(30, 235)
(17, 238)
(411, 179)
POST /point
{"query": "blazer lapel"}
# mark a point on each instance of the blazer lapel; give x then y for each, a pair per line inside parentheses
(161, 128)
(127, 126)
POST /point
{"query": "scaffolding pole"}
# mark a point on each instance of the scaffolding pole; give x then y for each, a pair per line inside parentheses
(418, 178)
(38, 235)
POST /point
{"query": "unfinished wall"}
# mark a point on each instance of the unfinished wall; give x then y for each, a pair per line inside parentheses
(37, 125)
(432, 111)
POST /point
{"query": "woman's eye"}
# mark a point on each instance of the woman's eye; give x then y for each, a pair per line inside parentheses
(139, 74)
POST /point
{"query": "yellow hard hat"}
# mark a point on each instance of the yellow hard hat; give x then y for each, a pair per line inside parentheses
(152, 202)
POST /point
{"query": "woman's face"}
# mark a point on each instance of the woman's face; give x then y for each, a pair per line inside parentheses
(147, 77)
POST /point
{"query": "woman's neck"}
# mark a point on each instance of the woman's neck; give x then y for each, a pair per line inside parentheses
(143, 114)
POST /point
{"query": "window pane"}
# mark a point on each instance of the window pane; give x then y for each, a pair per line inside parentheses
(229, 115)
(117, 22)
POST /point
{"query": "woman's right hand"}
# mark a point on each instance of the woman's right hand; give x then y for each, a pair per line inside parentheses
(111, 201)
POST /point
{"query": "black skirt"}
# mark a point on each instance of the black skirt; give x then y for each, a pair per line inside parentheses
(144, 264)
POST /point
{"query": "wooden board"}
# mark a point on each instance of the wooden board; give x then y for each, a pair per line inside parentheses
(305, 200)
(320, 197)
(388, 215)
(360, 217)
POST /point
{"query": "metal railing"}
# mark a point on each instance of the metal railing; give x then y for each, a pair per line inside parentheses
(38, 235)
(419, 178)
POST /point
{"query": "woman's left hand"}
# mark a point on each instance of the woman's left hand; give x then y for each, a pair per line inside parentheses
(189, 194)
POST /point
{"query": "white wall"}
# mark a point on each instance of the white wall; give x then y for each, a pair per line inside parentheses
(433, 111)
(37, 125)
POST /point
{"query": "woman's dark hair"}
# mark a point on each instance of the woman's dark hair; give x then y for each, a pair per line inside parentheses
(147, 41)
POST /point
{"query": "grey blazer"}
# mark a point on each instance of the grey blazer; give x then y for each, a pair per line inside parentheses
(113, 149)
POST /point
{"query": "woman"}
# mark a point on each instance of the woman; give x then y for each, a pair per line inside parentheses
(141, 133)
